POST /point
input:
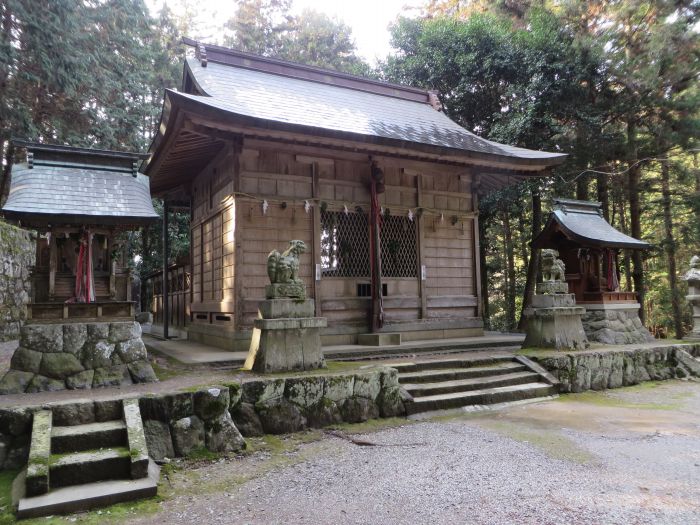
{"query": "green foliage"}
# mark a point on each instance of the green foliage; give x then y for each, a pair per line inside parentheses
(266, 27)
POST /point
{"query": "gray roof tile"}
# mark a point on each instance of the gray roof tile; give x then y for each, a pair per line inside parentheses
(277, 98)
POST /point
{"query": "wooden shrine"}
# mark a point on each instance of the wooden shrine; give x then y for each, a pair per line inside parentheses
(380, 185)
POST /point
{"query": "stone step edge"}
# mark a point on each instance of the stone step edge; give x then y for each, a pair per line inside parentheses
(88, 496)
(406, 350)
(475, 371)
(39, 461)
(458, 362)
(476, 393)
(87, 456)
(483, 381)
(138, 449)
(468, 409)
(87, 428)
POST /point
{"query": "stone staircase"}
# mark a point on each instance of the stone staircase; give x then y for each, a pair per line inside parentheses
(82, 466)
(441, 384)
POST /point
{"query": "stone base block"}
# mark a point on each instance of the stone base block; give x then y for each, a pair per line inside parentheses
(281, 345)
(615, 324)
(286, 308)
(552, 287)
(558, 328)
(285, 290)
(554, 300)
(381, 339)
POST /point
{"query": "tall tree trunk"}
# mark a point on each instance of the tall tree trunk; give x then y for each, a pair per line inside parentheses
(634, 176)
(603, 196)
(670, 247)
(510, 267)
(696, 169)
(523, 238)
(582, 188)
(484, 273)
(534, 263)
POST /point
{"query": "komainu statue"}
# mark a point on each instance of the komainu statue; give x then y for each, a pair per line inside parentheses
(552, 267)
(283, 268)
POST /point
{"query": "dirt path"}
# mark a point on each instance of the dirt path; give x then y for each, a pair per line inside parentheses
(627, 456)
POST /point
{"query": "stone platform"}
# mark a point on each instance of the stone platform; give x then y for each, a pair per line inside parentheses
(554, 320)
(77, 355)
(615, 324)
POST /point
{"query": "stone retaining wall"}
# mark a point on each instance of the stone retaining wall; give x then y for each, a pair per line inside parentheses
(17, 253)
(598, 370)
(178, 423)
(58, 356)
(615, 326)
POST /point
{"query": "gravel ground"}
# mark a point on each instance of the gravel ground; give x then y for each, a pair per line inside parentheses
(630, 457)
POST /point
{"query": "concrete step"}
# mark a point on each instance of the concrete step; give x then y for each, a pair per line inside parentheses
(87, 496)
(457, 362)
(449, 374)
(91, 436)
(89, 466)
(486, 396)
(419, 390)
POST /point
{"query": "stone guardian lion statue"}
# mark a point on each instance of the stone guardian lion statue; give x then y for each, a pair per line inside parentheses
(283, 268)
(552, 267)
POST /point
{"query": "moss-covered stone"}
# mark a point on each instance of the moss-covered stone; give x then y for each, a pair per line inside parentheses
(60, 365)
(97, 354)
(367, 385)
(124, 331)
(15, 421)
(158, 439)
(37, 480)
(280, 417)
(211, 403)
(142, 372)
(40, 383)
(188, 435)
(73, 413)
(111, 376)
(339, 388)
(359, 409)
(26, 360)
(222, 435)
(304, 391)
(75, 335)
(81, 380)
(97, 331)
(132, 350)
(323, 414)
(42, 337)
(15, 382)
(247, 420)
(263, 390)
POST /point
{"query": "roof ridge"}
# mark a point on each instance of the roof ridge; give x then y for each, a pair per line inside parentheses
(206, 53)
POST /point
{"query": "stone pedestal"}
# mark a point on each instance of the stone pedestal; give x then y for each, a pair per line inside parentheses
(554, 320)
(286, 337)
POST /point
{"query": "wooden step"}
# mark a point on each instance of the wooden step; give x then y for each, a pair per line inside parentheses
(464, 385)
(458, 362)
(449, 374)
(90, 495)
(89, 466)
(486, 396)
(91, 436)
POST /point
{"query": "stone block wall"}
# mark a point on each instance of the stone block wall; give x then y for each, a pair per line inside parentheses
(615, 327)
(591, 370)
(58, 356)
(17, 254)
(216, 418)
(282, 405)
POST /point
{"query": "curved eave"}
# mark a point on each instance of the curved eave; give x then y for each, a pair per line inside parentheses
(41, 220)
(176, 106)
(543, 238)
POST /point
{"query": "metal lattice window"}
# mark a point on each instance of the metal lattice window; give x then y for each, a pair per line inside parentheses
(345, 245)
(399, 247)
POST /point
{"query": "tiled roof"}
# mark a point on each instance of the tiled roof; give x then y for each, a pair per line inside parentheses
(583, 221)
(297, 101)
(79, 192)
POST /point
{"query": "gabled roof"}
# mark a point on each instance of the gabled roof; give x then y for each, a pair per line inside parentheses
(329, 106)
(259, 97)
(63, 185)
(582, 222)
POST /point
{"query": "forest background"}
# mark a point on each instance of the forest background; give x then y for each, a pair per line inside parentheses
(612, 83)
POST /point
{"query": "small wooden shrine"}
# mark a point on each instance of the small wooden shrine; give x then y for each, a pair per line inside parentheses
(589, 247)
(80, 202)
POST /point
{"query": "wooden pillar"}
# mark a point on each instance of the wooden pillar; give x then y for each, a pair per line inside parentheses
(112, 269)
(477, 247)
(166, 249)
(52, 266)
(316, 241)
(423, 289)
